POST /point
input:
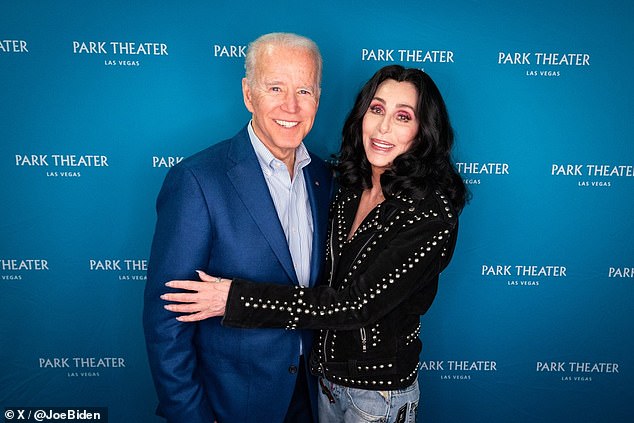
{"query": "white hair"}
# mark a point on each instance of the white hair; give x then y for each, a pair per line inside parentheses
(284, 39)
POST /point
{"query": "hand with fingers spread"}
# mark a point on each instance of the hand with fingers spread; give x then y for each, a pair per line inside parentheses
(202, 299)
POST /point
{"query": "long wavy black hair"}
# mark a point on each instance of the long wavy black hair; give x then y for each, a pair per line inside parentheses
(426, 166)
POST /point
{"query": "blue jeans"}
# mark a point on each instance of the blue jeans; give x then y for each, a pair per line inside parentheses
(350, 405)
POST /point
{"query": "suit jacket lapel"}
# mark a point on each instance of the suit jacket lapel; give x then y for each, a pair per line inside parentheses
(318, 187)
(246, 176)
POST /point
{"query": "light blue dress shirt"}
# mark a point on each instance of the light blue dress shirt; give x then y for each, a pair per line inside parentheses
(291, 203)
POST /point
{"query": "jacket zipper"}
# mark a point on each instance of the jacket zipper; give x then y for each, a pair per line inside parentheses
(332, 252)
(332, 271)
(364, 340)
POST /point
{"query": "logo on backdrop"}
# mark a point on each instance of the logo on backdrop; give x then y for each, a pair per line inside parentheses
(14, 269)
(229, 51)
(166, 161)
(82, 366)
(62, 165)
(577, 371)
(473, 172)
(126, 269)
(593, 175)
(13, 46)
(411, 57)
(523, 275)
(621, 272)
(458, 369)
(120, 53)
(544, 64)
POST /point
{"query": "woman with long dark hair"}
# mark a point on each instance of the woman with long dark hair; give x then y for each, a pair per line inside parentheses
(394, 224)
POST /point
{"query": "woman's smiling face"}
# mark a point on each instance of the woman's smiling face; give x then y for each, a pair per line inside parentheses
(390, 124)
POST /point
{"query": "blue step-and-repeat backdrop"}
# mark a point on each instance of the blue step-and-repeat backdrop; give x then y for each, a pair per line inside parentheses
(534, 318)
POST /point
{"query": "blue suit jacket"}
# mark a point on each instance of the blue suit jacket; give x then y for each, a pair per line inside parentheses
(215, 214)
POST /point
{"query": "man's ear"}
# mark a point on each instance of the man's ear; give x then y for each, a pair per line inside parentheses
(247, 95)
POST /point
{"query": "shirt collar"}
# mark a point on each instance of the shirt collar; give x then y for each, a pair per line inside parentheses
(268, 161)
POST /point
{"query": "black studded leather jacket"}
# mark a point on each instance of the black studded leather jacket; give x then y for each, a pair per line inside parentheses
(380, 282)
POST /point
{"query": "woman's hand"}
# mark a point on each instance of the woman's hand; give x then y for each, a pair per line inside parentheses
(204, 299)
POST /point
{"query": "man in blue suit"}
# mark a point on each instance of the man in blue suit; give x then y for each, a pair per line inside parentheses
(255, 207)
